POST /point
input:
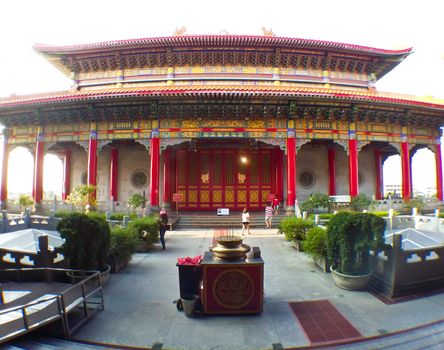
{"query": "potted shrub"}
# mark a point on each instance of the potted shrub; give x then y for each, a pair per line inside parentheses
(123, 245)
(147, 231)
(83, 197)
(295, 230)
(25, 201)
(87, 242)
(350, 237)
(316, 202)
(316, 245)
(360, 202)
(136, 201)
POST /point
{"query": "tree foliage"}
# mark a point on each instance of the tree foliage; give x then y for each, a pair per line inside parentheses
(316, 201)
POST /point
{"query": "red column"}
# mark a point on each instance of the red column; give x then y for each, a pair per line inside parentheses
(166, 175)
(4, 172)
(92, 160)
(406, 174)
(439, 194)
(331, 171)
(114, 174)
(353, 168)
(38, 170)
(278, 162)
(379, 193)
(291, 169)
(154, 163)
(66, 175)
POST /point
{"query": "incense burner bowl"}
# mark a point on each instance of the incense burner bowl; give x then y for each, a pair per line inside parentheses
(230, 248)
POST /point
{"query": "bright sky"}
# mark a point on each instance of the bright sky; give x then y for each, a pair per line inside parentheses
(390, 24)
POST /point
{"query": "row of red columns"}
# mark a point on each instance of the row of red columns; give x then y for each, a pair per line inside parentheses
(155, 169)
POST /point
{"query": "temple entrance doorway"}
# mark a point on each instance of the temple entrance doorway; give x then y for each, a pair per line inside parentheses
(213, 174)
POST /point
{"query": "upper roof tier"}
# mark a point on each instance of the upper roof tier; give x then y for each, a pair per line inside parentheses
(223, 50)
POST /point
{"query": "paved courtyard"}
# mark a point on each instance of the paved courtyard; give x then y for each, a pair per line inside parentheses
(140, 309)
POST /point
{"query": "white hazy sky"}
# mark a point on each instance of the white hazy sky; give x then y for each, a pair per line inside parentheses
(390, 24)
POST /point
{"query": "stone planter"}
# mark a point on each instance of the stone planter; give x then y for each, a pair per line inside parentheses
(322, 262)
(116, 263)
(350, 282)
(298, 245)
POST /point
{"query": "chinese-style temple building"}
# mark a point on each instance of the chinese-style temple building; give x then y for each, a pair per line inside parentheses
(222, 121)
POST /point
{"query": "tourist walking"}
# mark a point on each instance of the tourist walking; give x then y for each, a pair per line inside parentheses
(163, 227)
(245, 221)
(268, 215)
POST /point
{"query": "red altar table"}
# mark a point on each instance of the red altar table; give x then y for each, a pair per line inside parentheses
(232, 287)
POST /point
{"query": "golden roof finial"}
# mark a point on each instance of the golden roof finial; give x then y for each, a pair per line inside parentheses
(180, 31)
(224, 32)
(268, 32)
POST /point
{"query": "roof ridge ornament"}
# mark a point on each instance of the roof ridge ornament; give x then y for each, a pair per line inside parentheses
(224, 32)
(180, 31)
(268, 32)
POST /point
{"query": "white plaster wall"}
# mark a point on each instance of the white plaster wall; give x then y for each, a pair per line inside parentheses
(367, 172)
(103, 172)
(313, 158)
(79, 165)
(342, 188)
(130, 160)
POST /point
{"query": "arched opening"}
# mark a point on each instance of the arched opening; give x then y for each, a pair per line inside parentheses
(52, 177)
(392, 176)
(424, 173)
(20, 172)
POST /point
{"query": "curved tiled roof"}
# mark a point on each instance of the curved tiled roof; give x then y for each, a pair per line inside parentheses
(217, 92)
(219, 40)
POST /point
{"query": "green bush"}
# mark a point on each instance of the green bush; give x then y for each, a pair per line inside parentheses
(360, 202)
(62, 213)
(316, 242)
(350, 238)
(147, 228)
(317, 201)
(324, 216)
(87, 241)
(123, 242)
(119, 216)
(295, 228)
(414, 203)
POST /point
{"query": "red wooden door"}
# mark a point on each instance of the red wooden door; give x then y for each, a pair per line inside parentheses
(219, 178)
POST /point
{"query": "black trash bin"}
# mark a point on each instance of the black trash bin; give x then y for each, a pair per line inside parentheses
(190, 278)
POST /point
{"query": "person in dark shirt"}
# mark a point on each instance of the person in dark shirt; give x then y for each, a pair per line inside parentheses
(163, 227)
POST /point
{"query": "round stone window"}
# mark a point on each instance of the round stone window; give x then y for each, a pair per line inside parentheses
(307, 179)
(139, 179)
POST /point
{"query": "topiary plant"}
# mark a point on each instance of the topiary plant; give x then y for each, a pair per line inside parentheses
(123, 242)
(86, 241)
(350, 237)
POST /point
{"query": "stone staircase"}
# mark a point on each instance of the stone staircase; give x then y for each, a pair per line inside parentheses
(190, 220)
(49, 343)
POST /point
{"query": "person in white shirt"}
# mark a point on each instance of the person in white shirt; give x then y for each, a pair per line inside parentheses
(245, 221)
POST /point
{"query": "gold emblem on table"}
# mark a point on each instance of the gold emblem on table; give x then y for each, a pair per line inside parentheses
(233, 289)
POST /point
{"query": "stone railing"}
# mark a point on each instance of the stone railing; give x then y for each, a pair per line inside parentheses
(10, 223)
(14, 259)
(398, 272)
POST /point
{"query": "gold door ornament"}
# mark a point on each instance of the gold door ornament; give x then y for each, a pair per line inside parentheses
(241, 178)
(205, 178)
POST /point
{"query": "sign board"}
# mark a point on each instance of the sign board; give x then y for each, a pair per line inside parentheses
(223, 211)
(177, 197)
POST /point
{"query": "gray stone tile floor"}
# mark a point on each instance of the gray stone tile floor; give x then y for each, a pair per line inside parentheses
(140, 309)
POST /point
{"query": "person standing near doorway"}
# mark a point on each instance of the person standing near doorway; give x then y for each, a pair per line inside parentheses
(245, 221)
(268, 215)
(276, 204)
